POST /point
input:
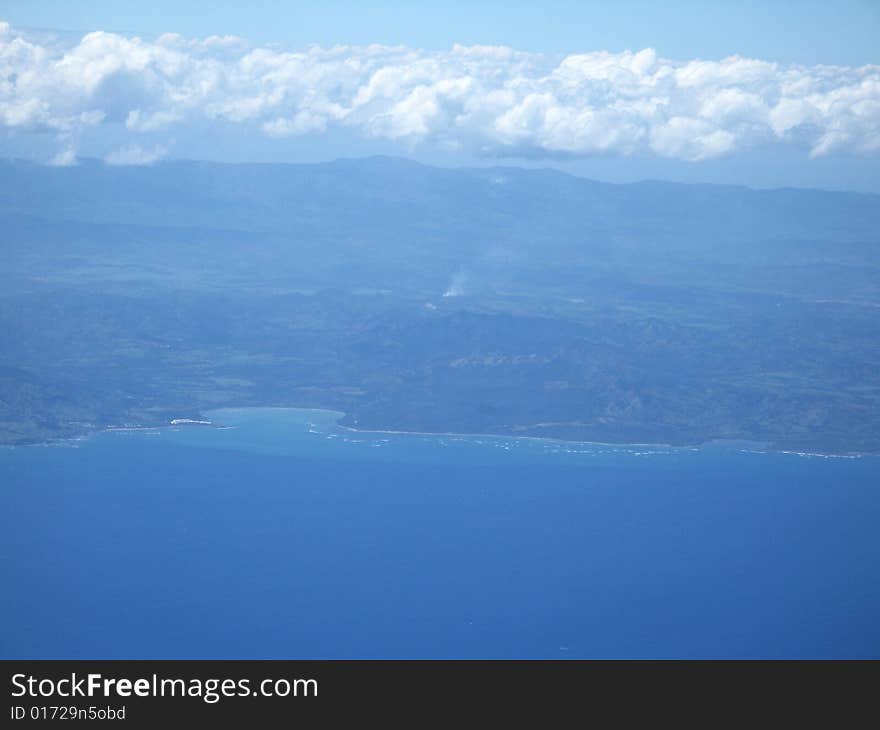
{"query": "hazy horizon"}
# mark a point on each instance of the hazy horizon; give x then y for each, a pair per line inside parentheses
(464, 166)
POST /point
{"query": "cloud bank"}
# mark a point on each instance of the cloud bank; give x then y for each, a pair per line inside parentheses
(485, 100)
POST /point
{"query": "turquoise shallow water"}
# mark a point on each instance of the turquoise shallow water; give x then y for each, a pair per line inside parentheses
(286, 536)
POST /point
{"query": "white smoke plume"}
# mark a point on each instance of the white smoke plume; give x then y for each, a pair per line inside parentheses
(457, 287)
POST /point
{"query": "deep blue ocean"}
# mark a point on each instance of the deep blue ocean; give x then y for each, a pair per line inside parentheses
(287, 536)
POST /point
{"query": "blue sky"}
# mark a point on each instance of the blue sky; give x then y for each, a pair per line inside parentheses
(777, 117)
(796, 31)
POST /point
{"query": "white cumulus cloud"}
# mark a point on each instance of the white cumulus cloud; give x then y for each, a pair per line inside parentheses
(488, 100)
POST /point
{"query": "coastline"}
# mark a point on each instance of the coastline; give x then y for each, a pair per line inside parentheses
(744, 445)
(696, 446)
(204, 419)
